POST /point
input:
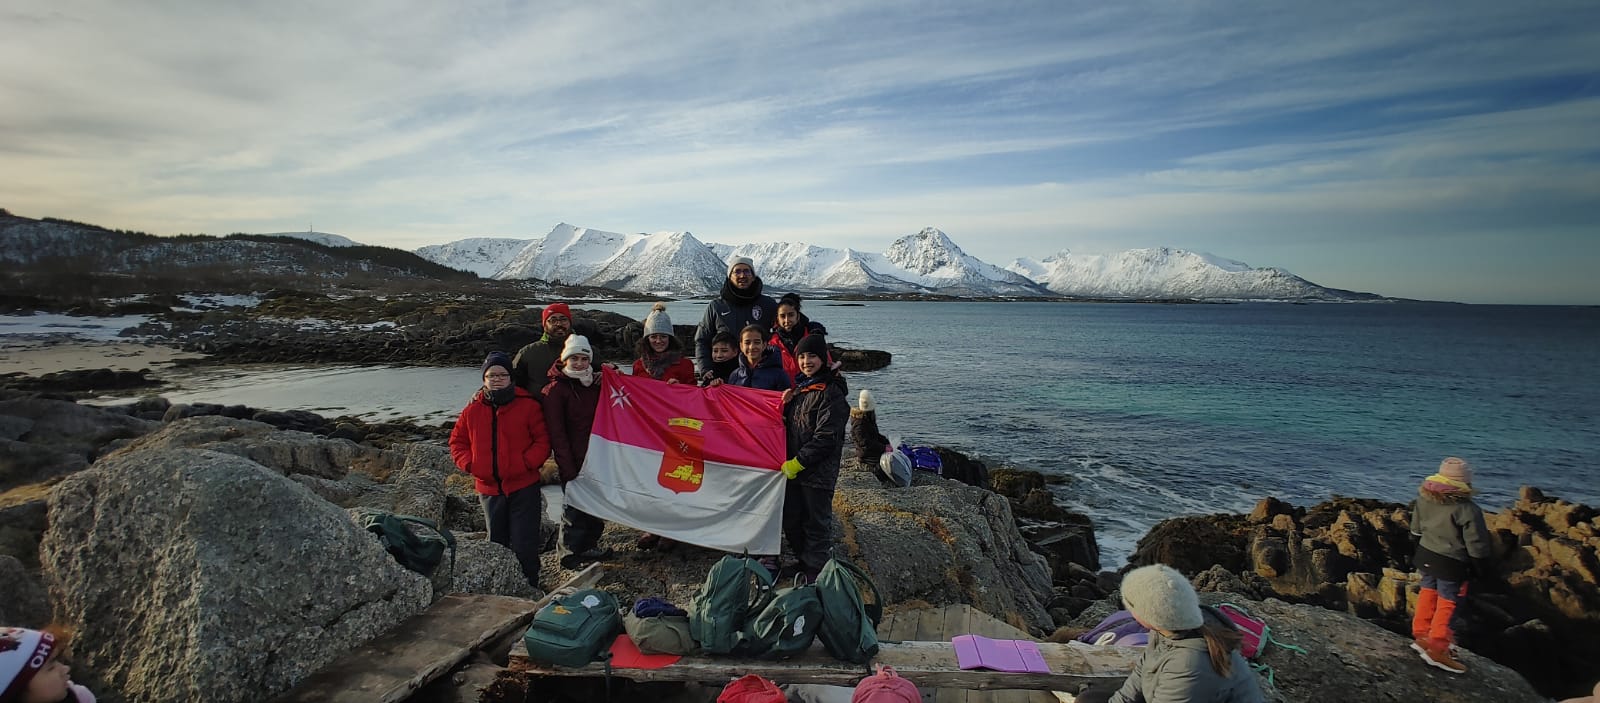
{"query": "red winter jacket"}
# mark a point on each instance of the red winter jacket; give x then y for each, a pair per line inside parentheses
(501, 446)
(682, 369)
(569, 414)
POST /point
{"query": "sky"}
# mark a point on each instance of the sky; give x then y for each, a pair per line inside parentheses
(1433, 150)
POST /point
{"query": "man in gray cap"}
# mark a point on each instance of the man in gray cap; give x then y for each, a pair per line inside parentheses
(740, 303)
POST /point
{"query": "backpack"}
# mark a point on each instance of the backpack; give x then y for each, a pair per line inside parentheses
(894, 467)
(1255, 630)
(751, 689)
(717, 613)
(1118, 629)
(849, 623)
(923, 458)
(419, 551)
(886, 686)
(659, 630)
(573, 630)
(785, 625)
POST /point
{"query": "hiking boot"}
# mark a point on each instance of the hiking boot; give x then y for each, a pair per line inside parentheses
(574, 561)
(1420, 646)
(1439, 655)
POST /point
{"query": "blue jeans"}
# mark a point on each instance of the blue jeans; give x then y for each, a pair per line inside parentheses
(1448, 590)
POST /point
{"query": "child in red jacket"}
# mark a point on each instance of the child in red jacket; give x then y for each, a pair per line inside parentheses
(500, 439)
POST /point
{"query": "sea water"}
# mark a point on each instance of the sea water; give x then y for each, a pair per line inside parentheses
(1149, 411)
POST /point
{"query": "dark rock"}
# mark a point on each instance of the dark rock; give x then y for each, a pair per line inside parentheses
(25, 604)
(1193, 544)
(22, 525)
(855, 360)
(83, 381)
(1268, 508)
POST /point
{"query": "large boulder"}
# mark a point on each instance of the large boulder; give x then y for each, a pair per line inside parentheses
(42, 438)
(944, 542)
(192, 574)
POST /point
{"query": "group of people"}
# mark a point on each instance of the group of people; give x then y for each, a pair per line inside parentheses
(541, 404)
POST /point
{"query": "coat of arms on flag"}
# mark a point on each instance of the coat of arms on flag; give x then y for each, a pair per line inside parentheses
(698, 465)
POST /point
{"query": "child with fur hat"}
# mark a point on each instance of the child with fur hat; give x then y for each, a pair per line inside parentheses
(500, 439)
(1452, 546)
(870, 443)
(570, 400)
(1193, 654)
(660, 352)
(31, 670)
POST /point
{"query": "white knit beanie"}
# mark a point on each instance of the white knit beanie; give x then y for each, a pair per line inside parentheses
(866, 403)
(657, 321)
(735, 261)
(23, 653)
(1162, 598)
(576, 344)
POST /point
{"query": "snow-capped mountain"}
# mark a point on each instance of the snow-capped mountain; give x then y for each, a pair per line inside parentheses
(805, 267)
(673, 262)
(1170, 273)
(323, 238)
(484, 256)
(930, 259)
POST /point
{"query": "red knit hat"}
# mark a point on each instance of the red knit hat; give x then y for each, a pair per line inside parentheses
(552, 309)
(23, 653)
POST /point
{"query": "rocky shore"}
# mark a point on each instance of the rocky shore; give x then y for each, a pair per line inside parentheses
(247, 573)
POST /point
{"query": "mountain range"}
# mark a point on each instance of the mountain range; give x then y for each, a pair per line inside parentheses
(927, 262)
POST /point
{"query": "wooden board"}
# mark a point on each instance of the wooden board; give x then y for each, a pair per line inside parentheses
(393, 666)
(930, 665)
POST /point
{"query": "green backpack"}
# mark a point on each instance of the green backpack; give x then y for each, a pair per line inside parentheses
(572, 631)
(785, 625)
(718, 612)
(417, 550)
(849, 621)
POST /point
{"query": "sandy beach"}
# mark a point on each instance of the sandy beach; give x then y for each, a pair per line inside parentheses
(36, 357)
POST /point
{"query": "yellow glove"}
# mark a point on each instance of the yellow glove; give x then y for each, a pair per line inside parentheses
(792, 468)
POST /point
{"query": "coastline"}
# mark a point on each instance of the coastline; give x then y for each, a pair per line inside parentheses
(36, 355)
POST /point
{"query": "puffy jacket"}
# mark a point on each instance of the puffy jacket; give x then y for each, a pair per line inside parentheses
(501, 446)
(814, 422)
(785, 342)
(569, 414)
(682, 369)
(1180, 670)
(767, 375)
(727, 313)
(1452, 535)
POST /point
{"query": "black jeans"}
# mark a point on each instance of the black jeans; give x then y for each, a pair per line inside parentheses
(513, 521)
(580, 531)
(808, 524)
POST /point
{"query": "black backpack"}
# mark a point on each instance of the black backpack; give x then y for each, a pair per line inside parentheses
(785, 625)
(417, 550)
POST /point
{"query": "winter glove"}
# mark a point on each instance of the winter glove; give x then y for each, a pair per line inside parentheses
(792, 468)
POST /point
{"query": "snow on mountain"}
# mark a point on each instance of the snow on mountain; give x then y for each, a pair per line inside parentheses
(1169, 273)
(481, 255)
(323, 238)
(930, 259)
(663, 262)
(804, 267)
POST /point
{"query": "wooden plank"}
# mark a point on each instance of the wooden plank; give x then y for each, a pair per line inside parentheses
(930, 665)
(930, 626)
(902, 626)
(394, 665)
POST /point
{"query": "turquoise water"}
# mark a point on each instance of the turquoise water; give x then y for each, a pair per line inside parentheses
(1159, 410)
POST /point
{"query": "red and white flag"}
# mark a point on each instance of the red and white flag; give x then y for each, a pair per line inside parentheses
(698, 465)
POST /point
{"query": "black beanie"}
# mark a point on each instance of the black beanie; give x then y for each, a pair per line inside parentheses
(496, 358)
(812, 344)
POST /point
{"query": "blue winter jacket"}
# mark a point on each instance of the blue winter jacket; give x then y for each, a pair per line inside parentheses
(767, 375)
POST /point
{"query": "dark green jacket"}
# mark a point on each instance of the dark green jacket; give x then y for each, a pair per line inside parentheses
(530, 368)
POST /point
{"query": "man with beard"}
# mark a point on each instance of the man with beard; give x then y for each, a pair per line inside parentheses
(740, 304)
(533, 361)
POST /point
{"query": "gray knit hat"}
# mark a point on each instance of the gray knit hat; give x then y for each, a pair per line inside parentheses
(1162, 598)
(657, 321)
(735, 261)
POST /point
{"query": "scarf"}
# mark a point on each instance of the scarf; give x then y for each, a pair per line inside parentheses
(724, 369)
(657, 364)
(1444, 485)
(741, 298)
(504, 396)
(789, 339)
(586, 376)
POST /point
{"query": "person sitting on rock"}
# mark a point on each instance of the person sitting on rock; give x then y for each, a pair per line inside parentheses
(740, 304)
(31, 669)
(792, 326)
(570, 400)
(759, 366)
(724, 359)
(500, 439)
(533, 361)
(1193, 653)
(1452, 546)
(870, 443)
(660, 352)
(814, 417)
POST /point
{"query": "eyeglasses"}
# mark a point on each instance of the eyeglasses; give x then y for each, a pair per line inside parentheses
(497, 375)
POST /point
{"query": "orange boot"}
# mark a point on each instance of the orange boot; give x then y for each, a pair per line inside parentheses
(1441, 637)
(1422, 619)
